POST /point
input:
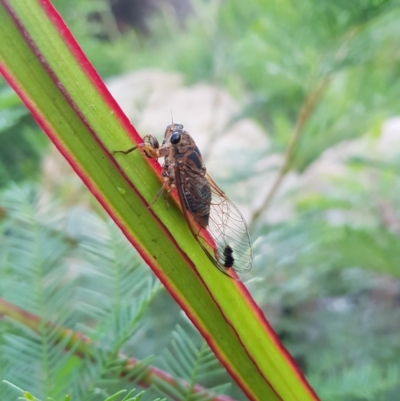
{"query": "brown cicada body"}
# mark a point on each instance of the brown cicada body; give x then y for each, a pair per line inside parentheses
(202, 200)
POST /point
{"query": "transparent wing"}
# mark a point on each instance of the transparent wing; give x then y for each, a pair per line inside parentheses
(229, 230)
(205, 203)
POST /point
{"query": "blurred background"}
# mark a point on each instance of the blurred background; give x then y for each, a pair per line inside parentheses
(296, 108)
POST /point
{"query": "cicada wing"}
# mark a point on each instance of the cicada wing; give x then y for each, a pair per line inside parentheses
(195, 197)
(214, 219)
(229, 231)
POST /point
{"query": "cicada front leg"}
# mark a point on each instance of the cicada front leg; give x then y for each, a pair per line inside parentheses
(150, 148)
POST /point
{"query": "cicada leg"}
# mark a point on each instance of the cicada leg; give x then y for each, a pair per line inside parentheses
(150, 147)
(160, 192)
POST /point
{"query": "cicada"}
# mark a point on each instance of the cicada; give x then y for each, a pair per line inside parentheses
(202, 201)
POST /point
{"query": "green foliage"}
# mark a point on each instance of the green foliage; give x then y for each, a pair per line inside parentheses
(333, 270)
(358, 383)
(94, 25)
(184, 360)
(87, 276)
(115, 397)
(330, 269)
(274, 54)
(74, 269)
(270, 55)
(21, 142)
(11, 109)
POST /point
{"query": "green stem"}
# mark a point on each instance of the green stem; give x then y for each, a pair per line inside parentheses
(308, 107)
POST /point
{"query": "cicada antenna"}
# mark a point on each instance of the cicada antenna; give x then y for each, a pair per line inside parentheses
(172, 118)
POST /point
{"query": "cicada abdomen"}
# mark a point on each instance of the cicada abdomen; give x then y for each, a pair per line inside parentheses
(197, 200)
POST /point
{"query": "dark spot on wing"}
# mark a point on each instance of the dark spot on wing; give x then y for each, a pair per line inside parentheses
(228, 257)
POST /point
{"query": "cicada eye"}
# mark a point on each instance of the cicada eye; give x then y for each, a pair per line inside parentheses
(175, 138)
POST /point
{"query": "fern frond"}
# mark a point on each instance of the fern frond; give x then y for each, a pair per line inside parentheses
(368, 382)
(189, 364)
(72, 343)
(118, 299)
(43, 267)
(38, 281)
(115, 397)
(114, 293)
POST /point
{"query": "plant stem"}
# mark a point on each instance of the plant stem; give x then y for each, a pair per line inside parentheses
(306, 111)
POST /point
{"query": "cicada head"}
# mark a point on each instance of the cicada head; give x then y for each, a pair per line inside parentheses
(173, 134)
